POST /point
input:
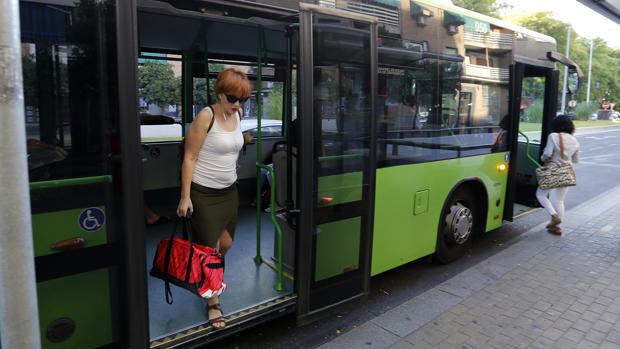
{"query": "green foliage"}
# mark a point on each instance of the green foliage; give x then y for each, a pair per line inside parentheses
(534, 112)
(487, 7)
(157, 84)
(605, 60)
(200, 91)
(273, 106)
(584, 110)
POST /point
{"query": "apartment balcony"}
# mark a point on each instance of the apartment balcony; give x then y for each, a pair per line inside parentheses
(490, 40)
(480, 72)
(387, 16)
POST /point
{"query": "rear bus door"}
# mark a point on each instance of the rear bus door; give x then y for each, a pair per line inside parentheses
(337, 153)
(77, 116)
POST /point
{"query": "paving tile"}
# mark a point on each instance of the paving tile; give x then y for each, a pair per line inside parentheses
(541, 292)
(368, 336)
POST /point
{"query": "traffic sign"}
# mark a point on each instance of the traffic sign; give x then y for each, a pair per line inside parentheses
(605, 105)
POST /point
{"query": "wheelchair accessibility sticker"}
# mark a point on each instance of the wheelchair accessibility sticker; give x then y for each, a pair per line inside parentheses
(91, 219)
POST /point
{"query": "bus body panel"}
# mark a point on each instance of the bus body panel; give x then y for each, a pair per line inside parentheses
(401, 236)
(52, 227)
(337, 246)
(82, 300)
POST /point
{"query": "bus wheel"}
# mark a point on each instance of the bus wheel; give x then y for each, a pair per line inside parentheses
(457, 226)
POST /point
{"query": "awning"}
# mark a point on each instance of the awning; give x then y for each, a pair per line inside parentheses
(450, 18)
(417, 10)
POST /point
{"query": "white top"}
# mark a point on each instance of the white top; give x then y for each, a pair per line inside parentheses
(552, 149)
(216, 166)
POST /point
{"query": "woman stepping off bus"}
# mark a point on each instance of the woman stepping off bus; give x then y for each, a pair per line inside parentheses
(209, 171)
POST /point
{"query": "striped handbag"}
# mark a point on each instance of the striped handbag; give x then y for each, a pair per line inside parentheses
(556, 175)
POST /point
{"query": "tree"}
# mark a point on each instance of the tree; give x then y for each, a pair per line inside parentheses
(157, 84)
(605, 60)
(487, 7)
(273, 108)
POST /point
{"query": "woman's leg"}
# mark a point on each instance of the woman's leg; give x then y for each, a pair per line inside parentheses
(223, 245)
(151, 216)
(556, 197)
(225, 242)
(541, 195)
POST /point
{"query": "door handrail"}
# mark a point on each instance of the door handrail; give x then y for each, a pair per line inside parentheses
(258, 259)
(70, 182)
(527, 149)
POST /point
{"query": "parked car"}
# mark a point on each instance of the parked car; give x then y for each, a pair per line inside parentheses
(269, 127)
(271, 132)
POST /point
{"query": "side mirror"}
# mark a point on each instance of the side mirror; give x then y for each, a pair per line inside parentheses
(574, 82)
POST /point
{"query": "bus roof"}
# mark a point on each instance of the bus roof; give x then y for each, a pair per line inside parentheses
(447, 5)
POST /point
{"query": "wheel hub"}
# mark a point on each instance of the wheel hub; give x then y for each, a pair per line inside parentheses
(459, 223)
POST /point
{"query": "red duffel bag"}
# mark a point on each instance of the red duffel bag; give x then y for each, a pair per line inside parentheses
(196, 268)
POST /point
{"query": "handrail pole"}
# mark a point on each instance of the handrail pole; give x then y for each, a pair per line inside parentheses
(259, 143)
(279, 286)
(527, 149)
(70, 182)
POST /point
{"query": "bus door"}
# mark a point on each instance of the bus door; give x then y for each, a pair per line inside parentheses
(534, 96)
(533, 106)
(338, 68)
(76, 173)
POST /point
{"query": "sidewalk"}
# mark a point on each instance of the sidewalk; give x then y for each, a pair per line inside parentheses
(544, 291)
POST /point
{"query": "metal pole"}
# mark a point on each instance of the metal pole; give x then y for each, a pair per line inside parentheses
(259, 142)
(589, 71)
(566, 71)
(19, 319)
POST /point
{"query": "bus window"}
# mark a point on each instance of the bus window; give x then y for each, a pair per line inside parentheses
(159, 88)
(531, 109)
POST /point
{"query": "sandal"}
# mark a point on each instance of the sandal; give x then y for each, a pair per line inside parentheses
(555, 230)
(216, 320)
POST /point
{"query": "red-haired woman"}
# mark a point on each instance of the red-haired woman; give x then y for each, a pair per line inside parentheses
(209, 171)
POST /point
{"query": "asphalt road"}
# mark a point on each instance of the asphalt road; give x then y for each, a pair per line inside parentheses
(597, 172)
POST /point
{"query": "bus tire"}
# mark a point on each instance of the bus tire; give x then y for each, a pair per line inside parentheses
(457, 226)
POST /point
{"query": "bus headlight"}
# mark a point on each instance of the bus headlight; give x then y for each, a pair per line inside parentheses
(502, 167)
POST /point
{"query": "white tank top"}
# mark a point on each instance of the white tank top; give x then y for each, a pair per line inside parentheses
(216, 166)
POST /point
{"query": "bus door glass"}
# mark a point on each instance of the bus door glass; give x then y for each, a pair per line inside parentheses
(71, 103)
(535, 108)
(338, 108)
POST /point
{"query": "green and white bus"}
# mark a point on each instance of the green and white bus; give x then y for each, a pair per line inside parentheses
(391, 127)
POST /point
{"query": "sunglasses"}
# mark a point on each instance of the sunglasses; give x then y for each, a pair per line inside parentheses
(232, 99)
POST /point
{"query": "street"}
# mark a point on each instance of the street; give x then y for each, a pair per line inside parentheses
(597, 172)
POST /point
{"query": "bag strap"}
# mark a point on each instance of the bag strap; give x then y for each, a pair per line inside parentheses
(167, 290)
(212, 118)
(561, 146)
(186, 236)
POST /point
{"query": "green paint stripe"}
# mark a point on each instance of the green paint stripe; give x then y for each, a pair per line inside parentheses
(70, 182)
(339, 157)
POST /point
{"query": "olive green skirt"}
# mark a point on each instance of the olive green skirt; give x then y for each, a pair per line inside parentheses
(214, 211)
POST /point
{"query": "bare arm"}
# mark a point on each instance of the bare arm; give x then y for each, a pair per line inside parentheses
(193, 142)
(576, 155)
(548, 152)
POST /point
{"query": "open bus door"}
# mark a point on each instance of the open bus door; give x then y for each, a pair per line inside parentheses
(80, 93)
(533, 105)
(336, 127)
